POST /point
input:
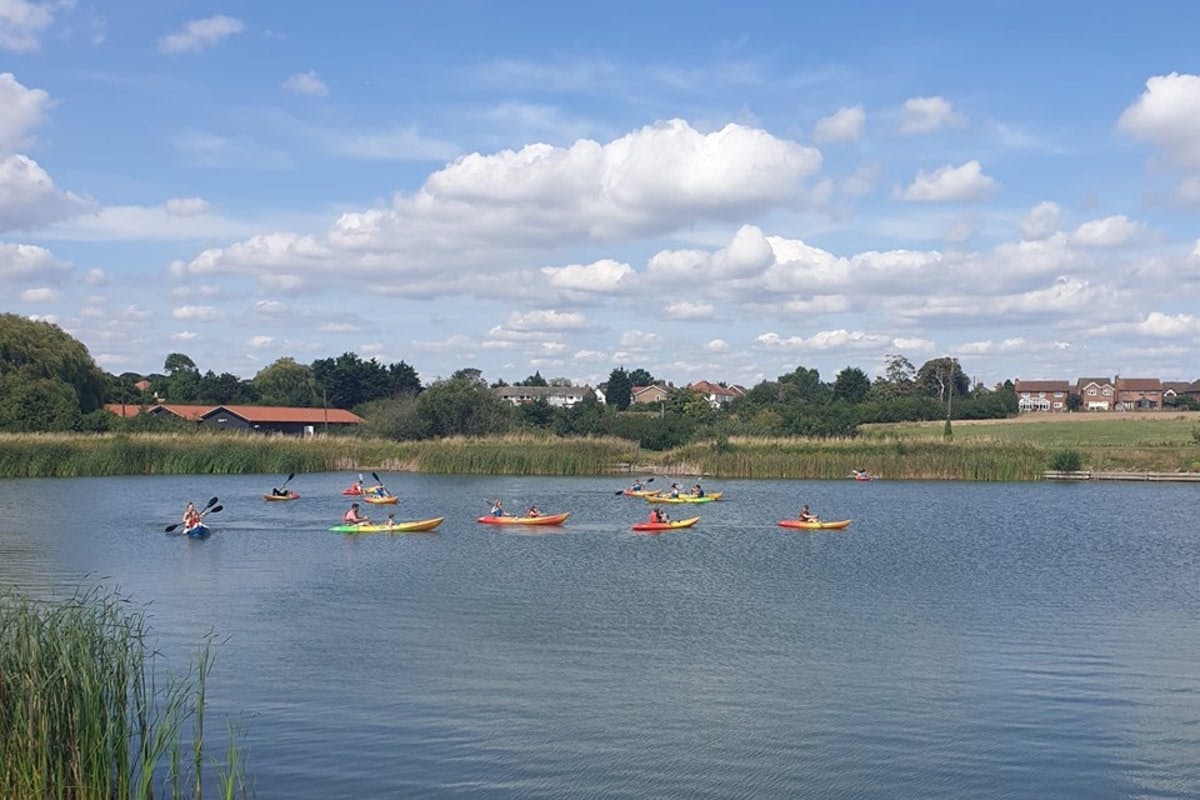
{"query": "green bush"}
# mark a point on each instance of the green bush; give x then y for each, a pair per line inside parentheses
(1066, 461)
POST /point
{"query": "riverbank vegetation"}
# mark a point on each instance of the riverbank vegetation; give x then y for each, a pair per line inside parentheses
(84, 712)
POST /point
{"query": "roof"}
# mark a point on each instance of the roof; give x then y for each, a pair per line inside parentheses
(1043, 386)
(1139, 384)
(1098, 381)
(288, 414)
(543, 391)
(715, 389)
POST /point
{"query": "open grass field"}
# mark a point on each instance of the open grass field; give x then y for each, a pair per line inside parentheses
(1125, 429)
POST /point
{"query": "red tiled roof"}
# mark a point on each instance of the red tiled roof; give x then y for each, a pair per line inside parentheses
(715, 389)
(284, 414)
(1139, 384)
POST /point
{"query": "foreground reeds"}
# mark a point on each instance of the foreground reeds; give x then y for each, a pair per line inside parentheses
(83, 713)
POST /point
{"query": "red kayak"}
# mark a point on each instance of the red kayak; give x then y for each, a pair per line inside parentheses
(814, 524)
(665, 526)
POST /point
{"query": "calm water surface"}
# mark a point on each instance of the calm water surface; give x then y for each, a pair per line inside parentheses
(957, 641)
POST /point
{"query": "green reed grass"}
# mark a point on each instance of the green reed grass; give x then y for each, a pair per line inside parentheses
(83, 712)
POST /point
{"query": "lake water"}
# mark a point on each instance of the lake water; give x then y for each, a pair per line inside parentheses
(959, 640)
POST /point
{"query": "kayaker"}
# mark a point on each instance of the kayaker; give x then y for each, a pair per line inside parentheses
(636, 487)
(697, 491)
(391, 521)
(279, 492)
(807, 516)
(497, 509)
(352, 517)
(533, 512)
(191, 517)
(655, 515)
(674, 491)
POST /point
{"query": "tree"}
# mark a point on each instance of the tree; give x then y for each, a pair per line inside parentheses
(640, 377)
(286, 383)
(405, 382)
(943, 378)
(463, 406)
(803, 384)
(851, 385)
(183, 379)
(347, 381)
(619, 392)
(535, 379)
(47, 377)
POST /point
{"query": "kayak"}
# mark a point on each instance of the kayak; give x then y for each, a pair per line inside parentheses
(666, 526)
(200, 531)
(641, 492)
(353, 490)
(395, 527)
(545, 519)
(288, 496)
(683, 498)
(380, 500)
(814, 525)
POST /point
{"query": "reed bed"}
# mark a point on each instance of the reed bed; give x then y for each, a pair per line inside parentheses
(745, 457)
(83, 714)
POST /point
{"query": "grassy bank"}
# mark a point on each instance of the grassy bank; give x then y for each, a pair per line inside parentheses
(999, 450)
(83, 714)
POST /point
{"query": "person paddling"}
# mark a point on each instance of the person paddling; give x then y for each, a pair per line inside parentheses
(191, 517)
(533, 512)
(497, 509)
(806, 515)
(352, 517)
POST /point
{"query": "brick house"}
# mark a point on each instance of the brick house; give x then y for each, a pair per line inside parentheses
(1096, 394)
(655, 393)
(1173, 390)
(1042, 395)
(557, 396)
(1138, 394)
(716, 394)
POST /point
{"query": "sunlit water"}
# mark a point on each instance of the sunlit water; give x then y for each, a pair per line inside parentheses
(958, 640)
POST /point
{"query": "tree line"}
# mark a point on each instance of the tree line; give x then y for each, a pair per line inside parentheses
(48, 381)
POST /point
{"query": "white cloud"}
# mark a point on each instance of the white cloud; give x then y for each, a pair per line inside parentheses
(913, 343)
(1107, 232)
(862, 181)
(547, 320)
(260, 342)
(690, 310)
(197, 313)
(1168, 114)
(306, 83)
(823, 340)
(605, 275)
(844, 125)
(39, 295)
(1043, 221)
(23, 110)
(1169, 325)
(20, 262)
(395, 144)
(200, 34)
(21, 24)
(948, 183)
(184, 336)
(95, 277)
(186, 206)
(819, 304)
(927, 114)
(717, 346)
(29, 199)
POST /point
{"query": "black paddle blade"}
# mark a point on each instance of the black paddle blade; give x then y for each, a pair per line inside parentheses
(619, 491)
(650, 479)
(170, 528)
(211, 503)
(215, 509)
(375, 475)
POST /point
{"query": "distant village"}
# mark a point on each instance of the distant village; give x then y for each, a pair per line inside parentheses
(1106, 394)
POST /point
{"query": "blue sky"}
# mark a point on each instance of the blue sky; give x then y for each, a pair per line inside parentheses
(711, 191)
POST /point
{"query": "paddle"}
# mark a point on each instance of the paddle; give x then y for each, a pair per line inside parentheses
(280, 491)
(383, 490)
(208, 508)
(648, 480)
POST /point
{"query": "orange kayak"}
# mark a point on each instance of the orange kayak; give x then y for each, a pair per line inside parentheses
(814, 525)
(545, 519)
(655, 527)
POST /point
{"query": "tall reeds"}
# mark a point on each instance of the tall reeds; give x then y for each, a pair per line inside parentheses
(83, 712)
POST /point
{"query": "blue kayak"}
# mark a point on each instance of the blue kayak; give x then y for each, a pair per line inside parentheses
(199, 532)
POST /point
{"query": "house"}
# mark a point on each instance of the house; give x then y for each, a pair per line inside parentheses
(265, 419)
(1042, 395)
(557, 396)
(716, 394)
(1138, 394)
(1096, 394)
(655, 393)
(1173, 390)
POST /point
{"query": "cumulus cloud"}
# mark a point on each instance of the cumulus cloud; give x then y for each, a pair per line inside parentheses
(1107, 232)
(22, 23)
(545, 320)
(40, 295)
(200, 34)
(844, 125)
(23, 110)
(197, 313)
(928, 114)
(95, 277)
(28, 197)
(601, 276)
(966, 182)
(690, 310)
(23, 262)
(1042, 221)
(717, 346)
(260, 342)
(306, 83)
(1169, 325)
(184, 336)
(1168, 115)
(862, 181)
(823, 340)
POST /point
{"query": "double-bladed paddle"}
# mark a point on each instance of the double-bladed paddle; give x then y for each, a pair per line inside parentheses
(648, 480)
(209, 508)
(280, 491)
